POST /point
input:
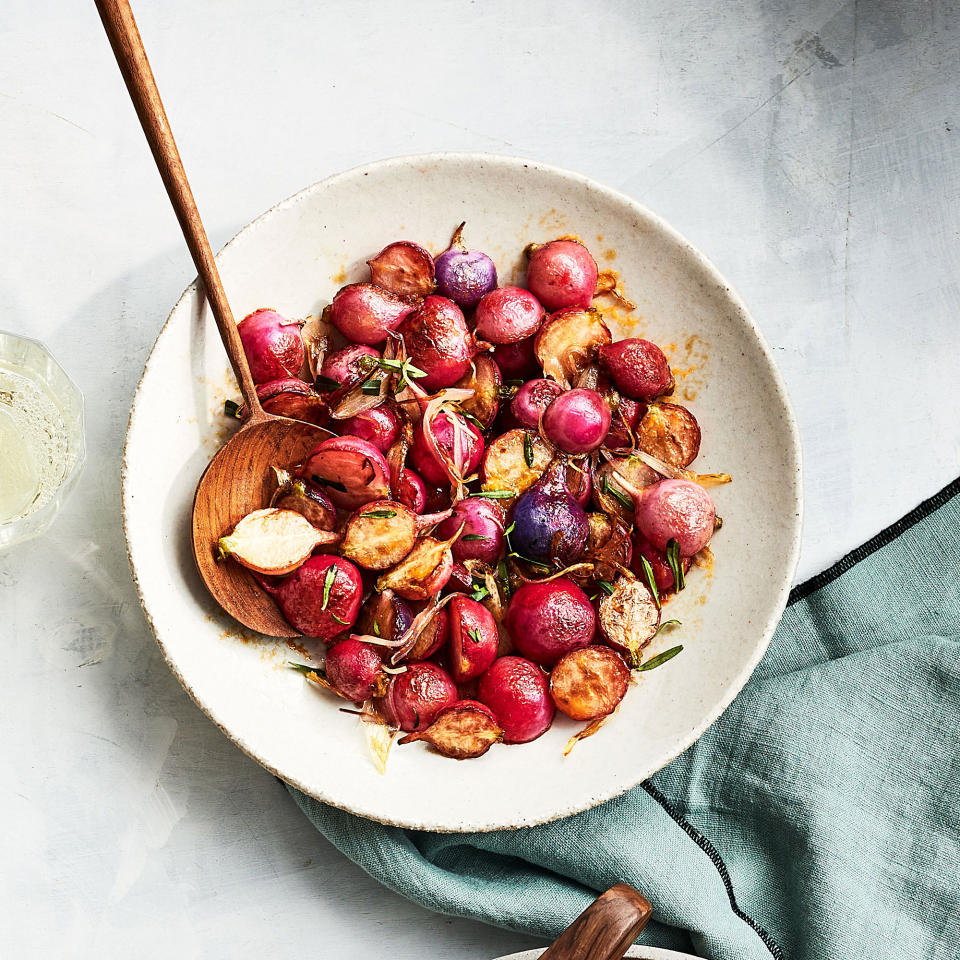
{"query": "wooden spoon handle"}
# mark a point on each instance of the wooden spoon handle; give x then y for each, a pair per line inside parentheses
(127, 46)
(605, 930)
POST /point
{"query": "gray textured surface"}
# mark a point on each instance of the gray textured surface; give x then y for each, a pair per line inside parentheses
(811, 149)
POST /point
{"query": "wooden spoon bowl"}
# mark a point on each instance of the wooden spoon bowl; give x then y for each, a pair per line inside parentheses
(240, 478)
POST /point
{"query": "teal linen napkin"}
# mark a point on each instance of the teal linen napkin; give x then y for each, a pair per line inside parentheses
(818, 817)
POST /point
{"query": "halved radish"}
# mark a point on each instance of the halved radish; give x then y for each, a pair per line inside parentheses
(485, 381)
(611, 495)
(405, 269)
(351, 471)
(670, 433)
(629, 618)
(463, 731)
(568, 342)
(424, 572)
(514, 462)
(273, 541)
(589, 683)
(382, 532)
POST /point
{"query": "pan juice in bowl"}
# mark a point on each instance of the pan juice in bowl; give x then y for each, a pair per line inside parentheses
(41, 437)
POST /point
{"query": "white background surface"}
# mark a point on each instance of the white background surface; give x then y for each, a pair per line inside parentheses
(811, 149)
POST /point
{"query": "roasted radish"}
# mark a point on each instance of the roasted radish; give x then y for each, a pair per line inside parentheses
(355, 670)
(321, 598)
(516, 690)
(365, 313)
(473, 639)
(273, 345)
(404, 269)
(629, 618)
(670, 433)
(351, 471)
(638, 367)
(306, 498)
(273, 541)
(438, 342)
(464, 276)
(508, 315)
(677, 510)
(562, 274)
(382, 532)
(463, 731)
(424, 572)
(589, 683)
(484, 379)
(416, 697)
(568, 343)
(547, 620)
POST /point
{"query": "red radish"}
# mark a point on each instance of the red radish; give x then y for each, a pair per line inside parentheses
(379, 426)
(483, 525)
(384, 615)
(412, 491)
(438, 342)
(351, 471)
(517, 361)
(364, 313)
(306, 498)
(473, 638)
(432, 638)
(447, 441)
(346, 366)
(562, 274)
(568, 342)
(508, 315)
(517, 691)
(577, 421)
(662, 574)
(547, 620)
(317, 602)
(416, 696)
(273, 345)
(404, 269)
(677, 510)
(290, 398)
(624, 423)
(355, 670)
(638, 368)
(532, 399)
(463, 731)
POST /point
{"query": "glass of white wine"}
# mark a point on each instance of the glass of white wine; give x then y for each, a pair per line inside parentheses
(41, 438)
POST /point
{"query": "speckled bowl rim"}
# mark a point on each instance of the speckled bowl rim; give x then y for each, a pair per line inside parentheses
(794, 460)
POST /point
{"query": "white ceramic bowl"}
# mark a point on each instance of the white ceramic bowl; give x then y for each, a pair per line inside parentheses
(294, 258)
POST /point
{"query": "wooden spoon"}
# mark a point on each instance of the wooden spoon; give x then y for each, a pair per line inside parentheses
(239, 478)
(605, 930)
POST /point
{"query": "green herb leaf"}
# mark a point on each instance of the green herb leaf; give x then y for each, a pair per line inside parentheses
(659, 659)
(371, 387)
(324, 384)
(344, 622)
(533, 563)
(479, 593)
(504, 577)
(506, 392)
(617, 495)
(606, 586)
(668, 623)
(232, 409)
(528, 449)
(305, 668)
(474, 635)
(328, 585)
(496, 494)
(676, 564)
(332, 484)
(379, 514)
(472, 419)
(376, 628)
(474, 536)
(650, 578)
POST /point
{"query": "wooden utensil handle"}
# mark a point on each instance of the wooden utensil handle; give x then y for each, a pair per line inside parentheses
(127, 46)
(605, 930)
